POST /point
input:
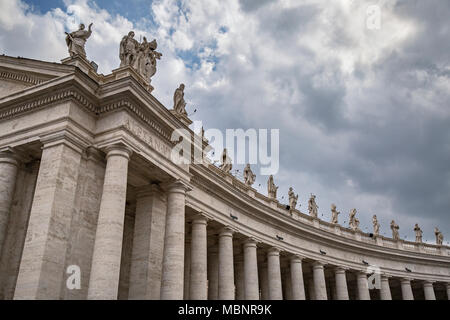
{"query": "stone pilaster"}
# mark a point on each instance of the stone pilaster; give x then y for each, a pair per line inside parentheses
(42, 268)
(341, 284)
(363, 286)
(226, 267)
(213, 274)
(385, 290)
(105, 270)
(8, 175)
(251, 286)
(407, 293)
(173, 260)
(320, 286)
(274, 274)
(198, 283)
(428, 290)
(297, 283)
(148, 244)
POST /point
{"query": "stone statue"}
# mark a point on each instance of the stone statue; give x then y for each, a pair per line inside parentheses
(292, 199)
(395, 228)
(312, 206)
(271, 188)
(419, 233)
(351, 220)
(249, 176)
(376, 225)
(128, 52)
(334, 214)
(76, 40)
(439, 236)
(179, 105)
(226, 162)
(356, 225)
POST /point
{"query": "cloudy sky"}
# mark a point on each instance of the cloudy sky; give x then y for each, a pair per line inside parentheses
(363, 112)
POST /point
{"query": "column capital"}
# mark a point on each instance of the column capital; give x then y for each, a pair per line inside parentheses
(200, 218)
(340, 269)
(177, 186)
(406, 280)
(385, 276)
(250, 242)
(296, 258)
(318, 264)
(118, 150)
(273, 251)
(226, 231)
(65, 137)
(428, 282)
(148, 190)
(10, 155)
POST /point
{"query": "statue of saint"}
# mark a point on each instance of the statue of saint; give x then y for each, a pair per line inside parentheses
(292, 199)
(376, 225)
(312, 206)
(128, 53)
(351, 220)
(395, 228)
(179, 105)
(356, 225)
(271, 188)
(439, 236)
(145, 62)
(334, 214)
(249, 176)
(419, 233)
(226, 162)
(76, 40)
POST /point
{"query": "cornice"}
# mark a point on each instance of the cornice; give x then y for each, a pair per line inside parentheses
(21, 77)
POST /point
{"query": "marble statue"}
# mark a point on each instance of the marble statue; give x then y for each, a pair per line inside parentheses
(351, 220)
(292, 199)
(128, 50)
(226, 162)
(439, 236)
(376, 225)
(395, 228)
(249, 176)
(77, 39)
(312, 206)
(334, 214)
(179, 105)
(356, 225)
(419, 233)
(271, 188)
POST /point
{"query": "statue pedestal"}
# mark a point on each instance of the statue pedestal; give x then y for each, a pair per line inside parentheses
(337, 229)
(379, 240)
(316, 222)
(182, 117)
(81, 62)
(128, 71)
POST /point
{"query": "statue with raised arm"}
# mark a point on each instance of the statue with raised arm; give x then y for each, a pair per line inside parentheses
(312, 206)
(179, 105)
(271, 188)
(439, 236)
(376, 225)
(351, 220)
(226, 162)
(128, 52)
(395, 228)
(249, 176)
(77, 39)
(292, 199)
(334, 214)
(419, 233)
(147, 55)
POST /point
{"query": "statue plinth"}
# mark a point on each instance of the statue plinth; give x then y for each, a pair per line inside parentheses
(128, 71)
(80, 62)
(182, 117)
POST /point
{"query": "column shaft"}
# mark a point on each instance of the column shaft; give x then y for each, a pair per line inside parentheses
(297, 283)
(251, 285)
(319, 281)
(274, 274)
(239, 277)
(263, 280)
(105, 270)
(226, 268)
(199, 278)
(407, 293)
(213, 274)
(173, 259)
(341, 284)
(187, 268)
(429, 290)
(363, 287)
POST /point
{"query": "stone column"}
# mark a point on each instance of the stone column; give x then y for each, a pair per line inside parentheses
(263, 281)
(239, 277)
(286, 283)
(363, 286)
(297, 283)
(173, 259)
(274, 274)
(187, 267)
(148, 244)
(198, 282)
(311, 289)
(226, 268)
(385, 290)
(251, 285)
(407, 293)
(42, 268)
(8, 174)
(428, 290)
(213, 274)
(320, 286)
(105, 270)
(341, 284)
